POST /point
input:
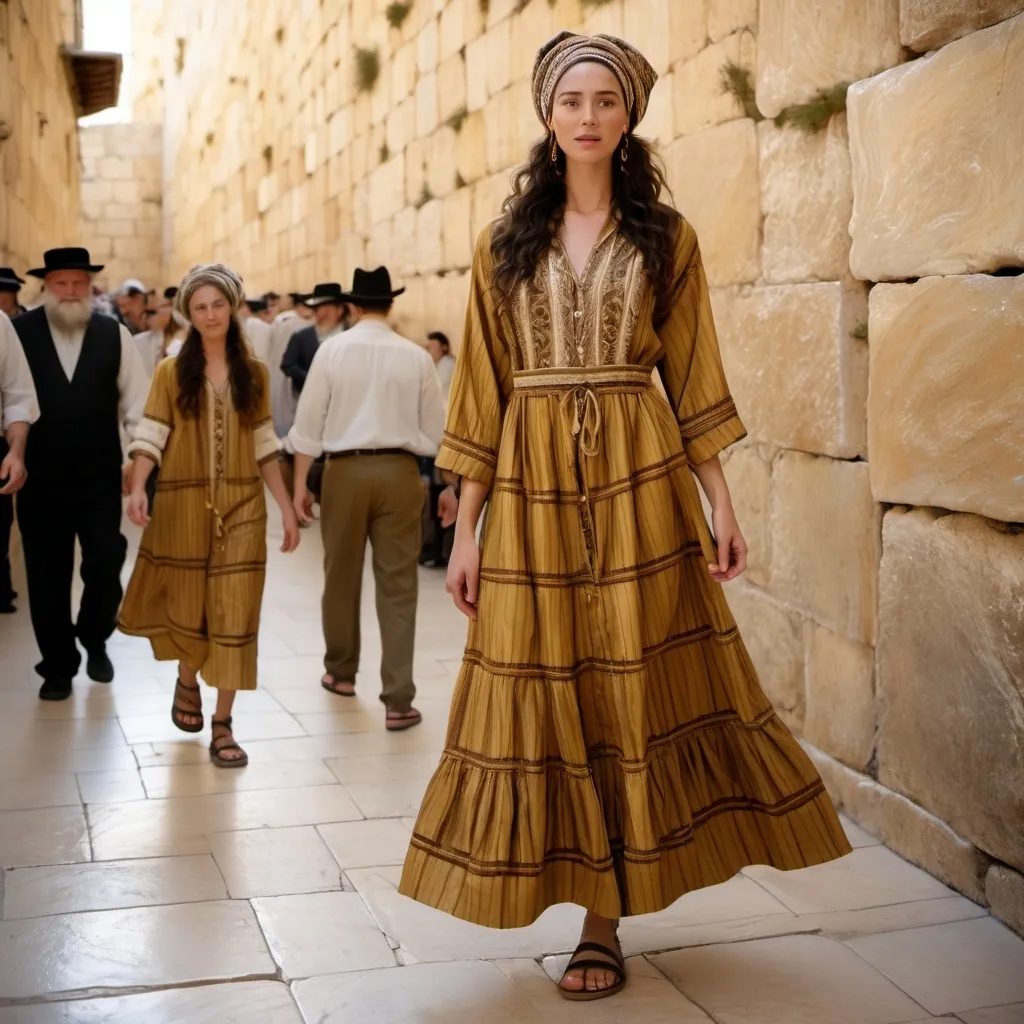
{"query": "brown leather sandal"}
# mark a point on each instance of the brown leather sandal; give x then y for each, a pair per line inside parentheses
(217, 749)
(398, 721)
(332, 685)
(187, 705)
(615, 964)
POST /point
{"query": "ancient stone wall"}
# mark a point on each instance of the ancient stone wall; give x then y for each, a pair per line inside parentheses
(38, 134)
(881, 481)
(122, 189)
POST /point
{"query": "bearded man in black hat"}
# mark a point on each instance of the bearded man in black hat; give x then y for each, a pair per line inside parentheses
(372, 404)
(90, 383)
(10, 285)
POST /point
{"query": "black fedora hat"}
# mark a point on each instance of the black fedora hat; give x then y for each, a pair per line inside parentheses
(256, 305)
(324, 293)
(66, 259)
(9, 280)
(371, 286)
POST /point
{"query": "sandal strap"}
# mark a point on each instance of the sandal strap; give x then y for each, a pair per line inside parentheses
(595, 965)
(226, 746)
(225, 722)
(595, 947)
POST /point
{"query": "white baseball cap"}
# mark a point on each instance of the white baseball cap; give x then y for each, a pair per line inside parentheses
(133, 284)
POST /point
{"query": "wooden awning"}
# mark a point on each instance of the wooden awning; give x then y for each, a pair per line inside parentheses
(95, 78)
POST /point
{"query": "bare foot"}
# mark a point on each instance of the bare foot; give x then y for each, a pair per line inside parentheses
(342, 687)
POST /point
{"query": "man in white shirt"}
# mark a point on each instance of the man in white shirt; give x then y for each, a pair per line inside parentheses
(372, 404)
(18, 411)
(293, 316)
(91, 384)
(256, 331)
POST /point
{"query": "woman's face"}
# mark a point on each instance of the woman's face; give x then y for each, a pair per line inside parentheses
(588, 113)
(210, 312)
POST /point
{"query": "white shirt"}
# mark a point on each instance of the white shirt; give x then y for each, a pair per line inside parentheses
(258, 334)
(18, 402)
(132, 382)
(282, 398)
(369, 387)
(445, 367)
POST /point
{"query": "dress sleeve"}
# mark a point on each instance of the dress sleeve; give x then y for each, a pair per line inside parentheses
(154, 429)
(692, 365)
(264, 437)
(476, 406)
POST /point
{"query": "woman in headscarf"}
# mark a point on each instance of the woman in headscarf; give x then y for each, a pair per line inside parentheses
(197, 586)
(609, 744)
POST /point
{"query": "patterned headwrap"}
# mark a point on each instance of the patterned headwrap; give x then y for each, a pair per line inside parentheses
(224, 279)
(627, 63)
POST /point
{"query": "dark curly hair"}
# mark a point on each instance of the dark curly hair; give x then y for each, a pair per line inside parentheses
(246, 385)
(533, 213)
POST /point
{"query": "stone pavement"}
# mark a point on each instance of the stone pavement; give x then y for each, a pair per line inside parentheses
(141, 885)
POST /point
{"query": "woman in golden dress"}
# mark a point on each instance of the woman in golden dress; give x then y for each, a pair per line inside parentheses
(197, 585)
(609, 744)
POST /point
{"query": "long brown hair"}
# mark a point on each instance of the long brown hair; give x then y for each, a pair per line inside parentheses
(246, 385)
(533, 213)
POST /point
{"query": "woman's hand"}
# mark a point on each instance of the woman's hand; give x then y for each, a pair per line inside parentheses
(138, 508)
(463, 580)
(732, 548)
(290, 524)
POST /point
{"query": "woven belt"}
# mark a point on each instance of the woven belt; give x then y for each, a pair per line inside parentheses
(580, 385)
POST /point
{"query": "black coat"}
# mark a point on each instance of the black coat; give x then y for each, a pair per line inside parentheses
(298, 357)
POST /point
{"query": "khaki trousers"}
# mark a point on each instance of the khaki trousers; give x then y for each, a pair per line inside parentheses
(376, 498)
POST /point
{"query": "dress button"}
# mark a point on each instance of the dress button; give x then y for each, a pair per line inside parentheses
(577, 313)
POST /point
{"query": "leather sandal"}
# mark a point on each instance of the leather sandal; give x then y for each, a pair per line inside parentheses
(398, 721)
(217, 748)
(331, 685)
(187, 705)
(615, 964)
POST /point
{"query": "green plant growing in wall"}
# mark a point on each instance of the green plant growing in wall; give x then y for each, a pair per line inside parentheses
(209, 138)
(458, 119)
(268, 157)
(485, 6)
(736, 80)
(179, 55)
(367, 68)
(815, 115)
(397, 13)
(384, 153)
(860, 332)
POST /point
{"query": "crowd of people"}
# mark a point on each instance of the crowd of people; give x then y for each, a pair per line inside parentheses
(608, 743)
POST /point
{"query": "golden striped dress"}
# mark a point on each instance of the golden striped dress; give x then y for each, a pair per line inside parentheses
(608, 744)
(197, 585)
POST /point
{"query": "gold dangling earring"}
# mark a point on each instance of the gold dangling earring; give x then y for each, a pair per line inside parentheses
(554, 149)
(624, 152)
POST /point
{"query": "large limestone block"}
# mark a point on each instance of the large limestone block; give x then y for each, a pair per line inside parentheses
(451, 87)
(533, 26)
(456, 231)
(727, 16)
(605, 16)
(404, 246)
(498, 47)
(387, 189)
(946, 400)
(806, 199)
(427, 106)
(429, 237)
(951, 674)
(798, 376)
(488, 195)
(928, 24)
(713, 176)
(427, 47)
(749, 474)
(442, 163)
(773, 635)
(416, 171)
(687, 29)
(840, 696)
(904, 827)
(698, 97)
(657, 124)
(647, 26)
(1004, 890)
(807, 45)
(936, 148)
(500, 139)
(471, 148)
(403, 72)
(825, 542)
(476, 74)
